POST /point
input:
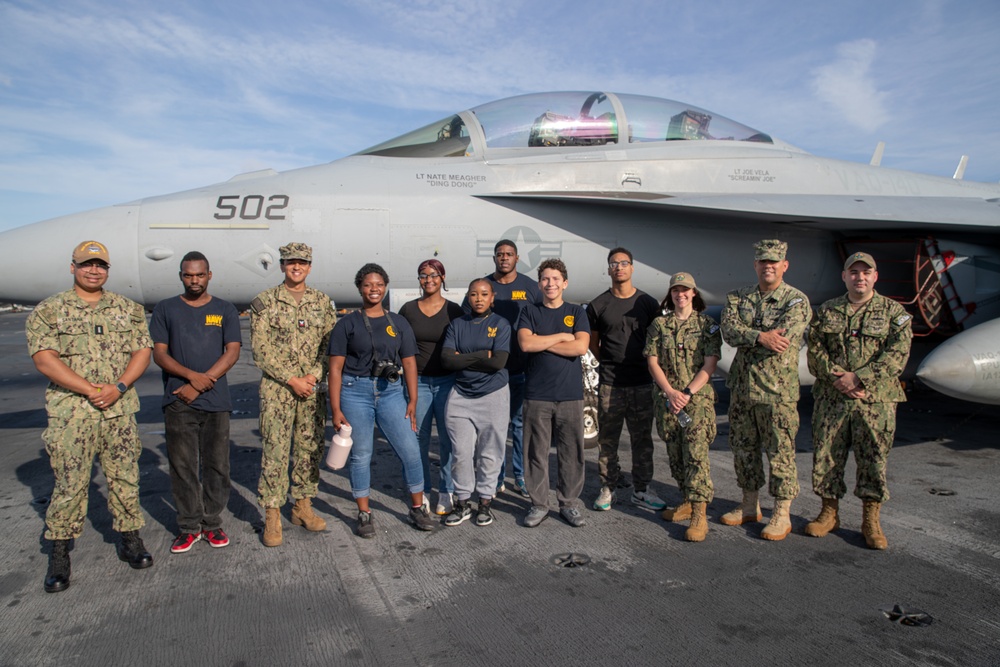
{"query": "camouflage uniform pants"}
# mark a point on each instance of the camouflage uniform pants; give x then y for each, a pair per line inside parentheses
(615, 407)
(72, 445)
(687, 448)
(286, 419)
(837, 427)
(767, 427)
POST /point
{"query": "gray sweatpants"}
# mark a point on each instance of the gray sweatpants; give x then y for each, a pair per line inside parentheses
(558, 423)
(478, 431)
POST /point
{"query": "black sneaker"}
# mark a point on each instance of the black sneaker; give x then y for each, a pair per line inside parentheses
(461, 511)
(365, 527)
(484, 516)
(420, 517)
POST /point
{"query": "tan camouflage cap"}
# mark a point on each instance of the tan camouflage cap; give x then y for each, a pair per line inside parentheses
(296, 251)
(770, 250)
(89, 250)
(862, 257)
(685, 279)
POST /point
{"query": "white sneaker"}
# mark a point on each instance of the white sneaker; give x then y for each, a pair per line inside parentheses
(426, 503)
(604, 500)
(445, 504)
(648, 500)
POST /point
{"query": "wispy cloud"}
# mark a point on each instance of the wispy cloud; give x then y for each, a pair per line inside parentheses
(848, 85)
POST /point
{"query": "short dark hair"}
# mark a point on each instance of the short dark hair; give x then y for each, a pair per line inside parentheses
(195, 256)
(619, 251)
(370, 267)
(554, 263)
(502, 242)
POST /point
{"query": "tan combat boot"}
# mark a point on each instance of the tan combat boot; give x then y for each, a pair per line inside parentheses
(272, 527)
(870, 528)
(680, 513)
(780, 524)
(747, 512)
(827, 520)
(698, 529)
(303, 515)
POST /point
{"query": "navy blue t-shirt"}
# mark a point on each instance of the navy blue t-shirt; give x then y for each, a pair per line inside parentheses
(350, 339)
(472, 333)
(196, 336)
(508, 302)
(550, 376)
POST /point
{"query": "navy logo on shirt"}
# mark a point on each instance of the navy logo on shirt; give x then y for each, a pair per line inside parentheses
(569, 320)
(389, 330)
(491, 332)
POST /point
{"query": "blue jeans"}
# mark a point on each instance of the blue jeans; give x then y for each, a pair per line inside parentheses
(432, 396)
(516, 428)
(365, 402)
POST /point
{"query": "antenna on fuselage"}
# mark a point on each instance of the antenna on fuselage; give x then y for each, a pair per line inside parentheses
(960, 170)
(877, 155)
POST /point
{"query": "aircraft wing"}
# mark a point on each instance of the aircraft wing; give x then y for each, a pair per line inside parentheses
(829, 212)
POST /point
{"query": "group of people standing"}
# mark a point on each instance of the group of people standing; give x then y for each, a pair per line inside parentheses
(505, 363)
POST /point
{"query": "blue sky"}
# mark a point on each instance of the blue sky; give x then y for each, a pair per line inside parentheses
(106, 102)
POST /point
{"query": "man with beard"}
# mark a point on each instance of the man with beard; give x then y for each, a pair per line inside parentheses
(196, 340)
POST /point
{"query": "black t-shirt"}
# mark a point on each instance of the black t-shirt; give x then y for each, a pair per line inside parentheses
(196, 336)
(350, 339)
(475, 334)
(621, 325)
(508, 302)
(429, 332)
(550, 376)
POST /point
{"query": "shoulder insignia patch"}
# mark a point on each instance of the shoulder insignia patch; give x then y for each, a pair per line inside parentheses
(257, 305)
(794, 301)
(902, 319)
(712, 329)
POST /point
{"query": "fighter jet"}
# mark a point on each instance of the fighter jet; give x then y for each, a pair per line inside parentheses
(571, 175)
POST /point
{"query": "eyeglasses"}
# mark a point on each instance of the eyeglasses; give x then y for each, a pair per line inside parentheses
(623, 264)
(428, 276)
(93, 265)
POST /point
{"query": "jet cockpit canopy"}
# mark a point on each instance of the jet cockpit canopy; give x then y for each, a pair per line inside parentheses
(566, 119)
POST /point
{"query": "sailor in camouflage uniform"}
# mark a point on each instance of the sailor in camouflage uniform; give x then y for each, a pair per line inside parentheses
(765, 323)
(858, 346)
(290, 329)
(682, 350)
(92, 345)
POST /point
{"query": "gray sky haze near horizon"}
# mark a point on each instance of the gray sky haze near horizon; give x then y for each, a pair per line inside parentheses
(107, 102)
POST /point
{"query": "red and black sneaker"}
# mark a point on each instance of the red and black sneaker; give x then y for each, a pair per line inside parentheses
(184, 542)
(217, 538)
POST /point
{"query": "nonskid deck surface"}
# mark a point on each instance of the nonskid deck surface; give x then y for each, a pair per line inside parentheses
(638, 594)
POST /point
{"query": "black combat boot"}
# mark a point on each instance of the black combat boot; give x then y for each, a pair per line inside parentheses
(133, 552)
(57, 578)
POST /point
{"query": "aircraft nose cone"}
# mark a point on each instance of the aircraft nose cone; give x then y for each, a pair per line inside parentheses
(967, 366)
(37, 257)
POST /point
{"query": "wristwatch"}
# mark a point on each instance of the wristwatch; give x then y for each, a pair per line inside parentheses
(121, 387)
(686, 390)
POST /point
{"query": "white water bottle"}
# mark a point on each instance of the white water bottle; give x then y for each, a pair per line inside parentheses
(340, 448)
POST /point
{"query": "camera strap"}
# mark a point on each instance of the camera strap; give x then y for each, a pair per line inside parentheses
(371, 334)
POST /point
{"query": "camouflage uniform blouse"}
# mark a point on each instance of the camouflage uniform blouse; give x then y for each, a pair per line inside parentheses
(873, 342)
(96, 343)
(289, 339)
(680, 347)
(759, 375)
